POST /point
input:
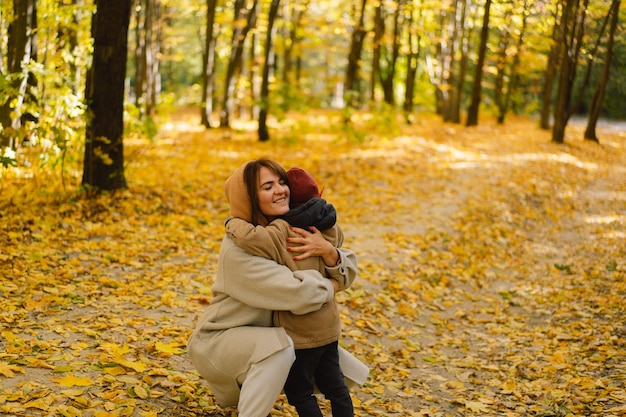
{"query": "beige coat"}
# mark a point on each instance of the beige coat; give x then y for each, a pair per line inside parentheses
(314, 329)
(236, 330)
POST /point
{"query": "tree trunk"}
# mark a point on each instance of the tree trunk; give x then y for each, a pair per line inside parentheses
(379, 33)
(571, 34)
(598, 97)
(550, 74)
(268, 67)
(351, 89)
(68, 37)
(463, 42)
(208, 65)
(146, 56)
(514, 72)
(391, 58)
(21, 49)
(472, 114)
(253, 77)
(140, 52)
(240, 33)
(412, 59)
(153, 34)
(104, 147)
(501, 60)
(291, 44)
(448, 61)
(591, 54)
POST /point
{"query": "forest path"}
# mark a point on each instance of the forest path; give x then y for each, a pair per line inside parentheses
(492, 271)
(519, 239)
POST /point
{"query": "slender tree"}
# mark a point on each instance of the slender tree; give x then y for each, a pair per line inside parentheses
(552, 67)
(462, 46)
(293, 17)
(104, 146)
(268, 67)
(472, 113)
(447, 71)
(386, 50)
(21, 51)
(412, 60)
(570, 36)
(251, 72)
(504, 91)
(379, 34)
(147, 51)
(357, 32)
(208, 64)
(598, 97)
(244, 20)
(449, 95)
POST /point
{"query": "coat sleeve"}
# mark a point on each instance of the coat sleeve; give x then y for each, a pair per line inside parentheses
(265, 284)
(266, 241)
(346, 270)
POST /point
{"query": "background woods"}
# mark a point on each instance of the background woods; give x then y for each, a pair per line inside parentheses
(253, 59)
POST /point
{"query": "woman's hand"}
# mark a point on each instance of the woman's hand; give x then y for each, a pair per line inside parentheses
(312, 243)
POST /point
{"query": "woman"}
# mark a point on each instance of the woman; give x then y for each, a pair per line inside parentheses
(245, 360)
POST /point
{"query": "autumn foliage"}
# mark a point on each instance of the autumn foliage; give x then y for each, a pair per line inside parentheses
(492, 269)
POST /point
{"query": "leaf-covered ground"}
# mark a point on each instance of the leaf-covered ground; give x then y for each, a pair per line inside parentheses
(493, 268)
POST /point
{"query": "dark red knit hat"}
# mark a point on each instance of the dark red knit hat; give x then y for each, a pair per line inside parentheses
(302, 187)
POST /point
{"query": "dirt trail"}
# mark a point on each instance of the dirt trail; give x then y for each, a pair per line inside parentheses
(492, 276)
(475, 337)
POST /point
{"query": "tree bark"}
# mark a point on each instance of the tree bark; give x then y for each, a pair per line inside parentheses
(463, 42)
(514, 72)
(550, 74)
(208, 65)
(379, 33)
(391, 58)
(351, 89)
(268, 67)
(412, 59)
(240, 33)
(571, 34)
(21, 50)
(598, 97)
(472, 114)
(293, 16)
(146, 56)
(104, 147)
(450, 28)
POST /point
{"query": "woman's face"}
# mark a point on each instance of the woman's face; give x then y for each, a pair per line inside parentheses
(273, 193)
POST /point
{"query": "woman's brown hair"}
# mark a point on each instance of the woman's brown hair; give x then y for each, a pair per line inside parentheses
(250, 178)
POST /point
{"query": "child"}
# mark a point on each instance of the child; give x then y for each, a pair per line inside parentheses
(315, 335)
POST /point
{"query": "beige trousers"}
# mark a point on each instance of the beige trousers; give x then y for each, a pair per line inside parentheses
(263, 383)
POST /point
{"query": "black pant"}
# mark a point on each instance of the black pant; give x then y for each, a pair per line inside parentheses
(319, 365)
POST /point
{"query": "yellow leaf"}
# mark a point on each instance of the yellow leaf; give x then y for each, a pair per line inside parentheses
(171, 348)
(38, 363)
(139, 391)
(40, 403)
(73, 381)
(114, 370)
(136, 366)
(9, 370)
(69, 411)
(476, 407)
(72, 392)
